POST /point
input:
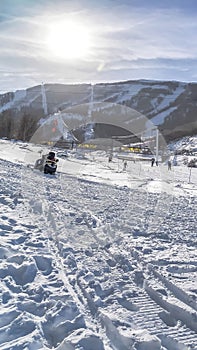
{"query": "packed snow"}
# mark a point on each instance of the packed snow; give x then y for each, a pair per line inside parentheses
(100, 256)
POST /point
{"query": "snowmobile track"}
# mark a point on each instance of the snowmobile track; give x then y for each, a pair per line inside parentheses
(149, 310)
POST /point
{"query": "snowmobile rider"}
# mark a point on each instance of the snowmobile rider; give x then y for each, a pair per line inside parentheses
(51, 163)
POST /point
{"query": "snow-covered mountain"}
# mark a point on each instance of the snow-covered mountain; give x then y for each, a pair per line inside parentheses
(170, 105)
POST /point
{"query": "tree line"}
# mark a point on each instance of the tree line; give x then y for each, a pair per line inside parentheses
(18, 126)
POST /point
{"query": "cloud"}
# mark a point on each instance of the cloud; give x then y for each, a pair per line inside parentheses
(156, 35)
(136, 39)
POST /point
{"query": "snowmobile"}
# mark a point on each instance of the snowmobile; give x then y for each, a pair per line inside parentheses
(50, 166)
(48, 163)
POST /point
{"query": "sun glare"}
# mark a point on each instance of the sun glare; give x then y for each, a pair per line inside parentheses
(68, 40)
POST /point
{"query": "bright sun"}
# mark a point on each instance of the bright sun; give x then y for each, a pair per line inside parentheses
(68, 40)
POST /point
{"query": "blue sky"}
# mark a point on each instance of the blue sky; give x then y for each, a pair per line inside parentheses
(126, 40)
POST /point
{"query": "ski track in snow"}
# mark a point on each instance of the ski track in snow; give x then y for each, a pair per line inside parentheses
(85, 265)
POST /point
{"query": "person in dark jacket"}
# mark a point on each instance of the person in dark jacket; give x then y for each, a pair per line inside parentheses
(152, 161)
(51, 163)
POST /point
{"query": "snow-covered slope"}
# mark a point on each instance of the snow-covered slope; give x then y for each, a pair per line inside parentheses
(96, 258)
(185, 144)
(170, 105)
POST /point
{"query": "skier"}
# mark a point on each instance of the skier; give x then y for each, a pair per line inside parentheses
(125, 165)
(51, 163)
(152, 161)
(110, 158)
(169, 165)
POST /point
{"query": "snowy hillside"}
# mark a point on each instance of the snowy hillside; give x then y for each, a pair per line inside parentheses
(96, 257)
(186, 144)
(184, 151)
(170, 105)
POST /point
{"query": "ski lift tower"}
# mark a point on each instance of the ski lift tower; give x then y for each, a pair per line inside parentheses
(44, 99)
(157, 145)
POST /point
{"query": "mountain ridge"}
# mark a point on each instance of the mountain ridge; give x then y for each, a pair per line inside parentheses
(169, 105)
